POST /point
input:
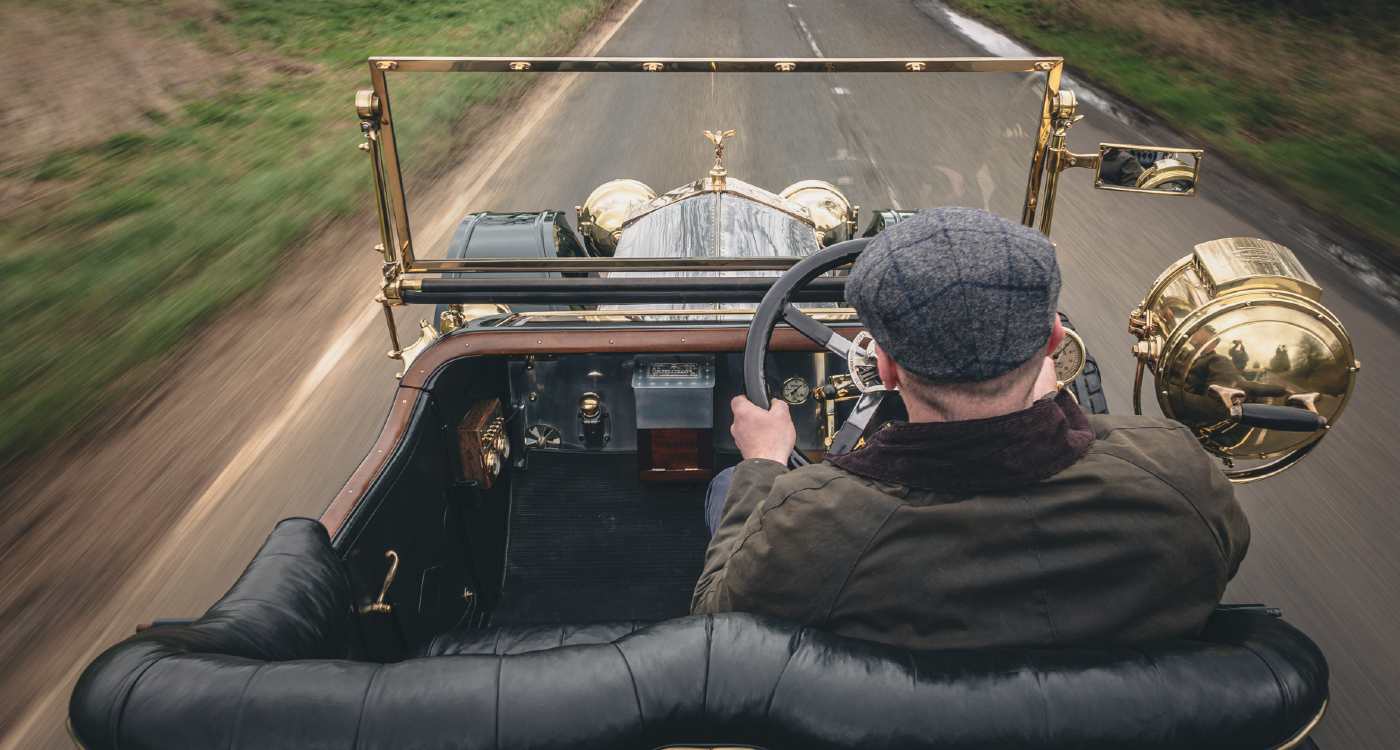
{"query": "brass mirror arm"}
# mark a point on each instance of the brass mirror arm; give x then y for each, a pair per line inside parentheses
(1071, 160)
(379, 606)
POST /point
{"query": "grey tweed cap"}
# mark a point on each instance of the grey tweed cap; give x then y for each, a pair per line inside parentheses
(957, 294)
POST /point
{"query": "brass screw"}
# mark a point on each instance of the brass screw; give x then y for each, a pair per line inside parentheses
(520, 65)
(915, 67)
(652, 67)
(387, 65)
(785, 67)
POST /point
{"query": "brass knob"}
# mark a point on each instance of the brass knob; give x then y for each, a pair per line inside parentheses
(590, 405)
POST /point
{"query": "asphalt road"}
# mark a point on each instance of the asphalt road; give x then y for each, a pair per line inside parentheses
(304, 385)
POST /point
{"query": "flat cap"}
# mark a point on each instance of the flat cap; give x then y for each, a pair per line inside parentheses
(957, 294)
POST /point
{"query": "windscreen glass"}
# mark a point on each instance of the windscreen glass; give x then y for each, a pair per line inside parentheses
(872, 136)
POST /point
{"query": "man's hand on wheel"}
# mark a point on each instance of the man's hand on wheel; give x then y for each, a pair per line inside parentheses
(761, 433)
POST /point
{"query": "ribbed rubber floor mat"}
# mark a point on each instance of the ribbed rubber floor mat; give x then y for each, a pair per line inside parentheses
(589, 542)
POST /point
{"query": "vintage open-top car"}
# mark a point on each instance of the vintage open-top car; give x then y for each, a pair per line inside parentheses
(512, 564)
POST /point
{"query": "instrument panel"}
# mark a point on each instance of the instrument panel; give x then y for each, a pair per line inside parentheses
(599, 401)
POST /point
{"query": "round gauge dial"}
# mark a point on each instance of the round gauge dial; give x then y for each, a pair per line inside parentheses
(1069, 357)
(796, 391)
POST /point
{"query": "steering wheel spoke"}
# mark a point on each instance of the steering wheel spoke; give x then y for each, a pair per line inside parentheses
(776, 306)
(857, 423)
(820, 333)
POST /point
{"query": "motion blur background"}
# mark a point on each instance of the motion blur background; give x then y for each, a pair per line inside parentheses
(184, 230)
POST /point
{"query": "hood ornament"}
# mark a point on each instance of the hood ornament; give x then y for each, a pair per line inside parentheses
(718, 172)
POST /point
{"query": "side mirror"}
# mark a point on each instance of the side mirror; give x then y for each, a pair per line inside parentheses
(1148, 169)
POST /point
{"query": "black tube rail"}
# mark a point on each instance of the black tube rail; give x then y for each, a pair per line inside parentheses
(620, 291)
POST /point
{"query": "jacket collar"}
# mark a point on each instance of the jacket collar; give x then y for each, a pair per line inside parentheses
(976, 455)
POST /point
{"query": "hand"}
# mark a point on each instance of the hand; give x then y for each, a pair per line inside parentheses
(1046, 381)
(763, 433)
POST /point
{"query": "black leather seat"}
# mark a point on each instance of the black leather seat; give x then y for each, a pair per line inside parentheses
(264, 669)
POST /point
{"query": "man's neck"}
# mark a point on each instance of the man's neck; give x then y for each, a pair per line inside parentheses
(919, 411)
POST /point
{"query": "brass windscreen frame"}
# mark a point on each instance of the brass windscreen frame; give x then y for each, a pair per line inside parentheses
(389, 179)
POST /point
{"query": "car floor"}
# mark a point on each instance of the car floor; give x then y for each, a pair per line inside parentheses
(589, 542)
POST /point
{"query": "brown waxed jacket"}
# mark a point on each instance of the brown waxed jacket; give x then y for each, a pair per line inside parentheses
(1038, 528)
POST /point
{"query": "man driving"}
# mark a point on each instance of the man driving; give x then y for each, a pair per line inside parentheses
(1000, 514)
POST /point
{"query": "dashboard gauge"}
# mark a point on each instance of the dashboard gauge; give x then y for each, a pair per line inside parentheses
(1069, 357)
(796, 391)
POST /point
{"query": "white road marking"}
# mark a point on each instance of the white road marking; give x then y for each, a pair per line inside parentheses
(811, 40)
(889, 189)
(1000, 45)
(840, 91)
(955, 179)
(987, 185)
(42, 709)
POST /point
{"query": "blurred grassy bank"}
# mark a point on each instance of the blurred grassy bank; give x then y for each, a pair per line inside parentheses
(150, 191)
(1301, 92)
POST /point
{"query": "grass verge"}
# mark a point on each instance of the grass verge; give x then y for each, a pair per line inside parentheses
(118, 250)
(1302, 93)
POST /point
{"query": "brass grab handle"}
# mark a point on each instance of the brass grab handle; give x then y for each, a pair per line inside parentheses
(379, 606)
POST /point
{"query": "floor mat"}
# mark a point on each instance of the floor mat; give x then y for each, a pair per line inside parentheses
(589, 542)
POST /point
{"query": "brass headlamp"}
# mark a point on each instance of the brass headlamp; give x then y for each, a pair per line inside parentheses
(832, 214)
(602, 213)
(1243, 353)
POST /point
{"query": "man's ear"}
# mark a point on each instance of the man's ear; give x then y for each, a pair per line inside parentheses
(1057, 334)
(889, 371)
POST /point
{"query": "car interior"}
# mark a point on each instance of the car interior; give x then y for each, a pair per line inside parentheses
(585, 503)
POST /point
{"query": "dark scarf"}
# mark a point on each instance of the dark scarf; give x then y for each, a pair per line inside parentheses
(976, 455)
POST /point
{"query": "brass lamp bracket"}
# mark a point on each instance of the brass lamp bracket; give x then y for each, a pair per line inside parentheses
(427, 334)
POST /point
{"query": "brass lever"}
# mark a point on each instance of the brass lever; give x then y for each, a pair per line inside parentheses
(379, 606)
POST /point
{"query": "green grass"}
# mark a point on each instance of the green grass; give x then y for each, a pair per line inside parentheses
(1324, 135)
(138, 240)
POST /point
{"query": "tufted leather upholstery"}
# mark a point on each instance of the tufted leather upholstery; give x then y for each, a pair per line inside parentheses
(526, 638)
(261, 669)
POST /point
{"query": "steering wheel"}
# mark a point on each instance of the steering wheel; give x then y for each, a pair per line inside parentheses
(776, 307)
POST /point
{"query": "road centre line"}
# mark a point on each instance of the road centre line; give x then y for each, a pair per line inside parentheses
(811, 40)
(152, 573)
